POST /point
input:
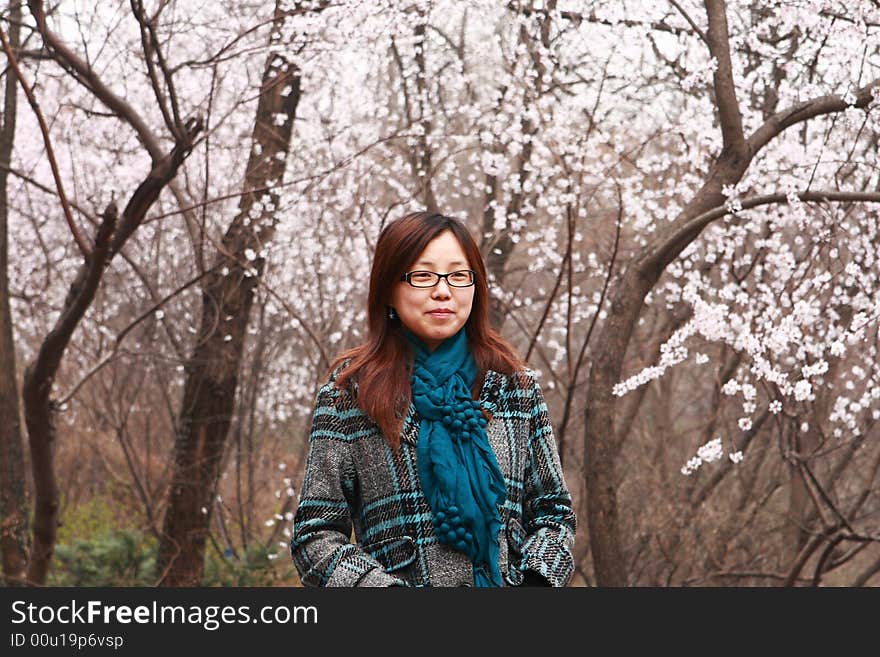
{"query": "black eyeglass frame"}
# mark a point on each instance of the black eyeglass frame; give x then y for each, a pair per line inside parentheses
(408, 278)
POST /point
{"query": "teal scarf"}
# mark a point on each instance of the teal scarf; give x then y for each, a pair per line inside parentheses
(457, 467)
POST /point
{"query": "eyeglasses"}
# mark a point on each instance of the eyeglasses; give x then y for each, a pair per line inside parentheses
(460, 278)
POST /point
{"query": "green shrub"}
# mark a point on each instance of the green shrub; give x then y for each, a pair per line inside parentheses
(87, 521)
(94, 548)
(116, 557)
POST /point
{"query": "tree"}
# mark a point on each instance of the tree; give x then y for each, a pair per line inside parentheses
(108, 241)
(213, 369)
(674, 199)
(13, 501)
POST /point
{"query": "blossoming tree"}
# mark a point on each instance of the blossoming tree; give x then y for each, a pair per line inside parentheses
(676, 201)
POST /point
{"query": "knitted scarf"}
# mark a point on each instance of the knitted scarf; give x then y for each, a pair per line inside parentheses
(458, 470)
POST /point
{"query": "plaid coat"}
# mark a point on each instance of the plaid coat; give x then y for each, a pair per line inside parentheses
(354, 479)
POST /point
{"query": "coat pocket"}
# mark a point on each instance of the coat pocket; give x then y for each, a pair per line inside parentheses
(393, 553)
(516, 536)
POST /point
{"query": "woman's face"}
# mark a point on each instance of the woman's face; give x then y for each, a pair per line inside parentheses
(435, 313)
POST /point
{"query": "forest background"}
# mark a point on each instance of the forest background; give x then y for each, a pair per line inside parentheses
(677, 202)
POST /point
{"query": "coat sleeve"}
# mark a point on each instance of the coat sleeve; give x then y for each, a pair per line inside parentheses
(320, 545)
(548, 518)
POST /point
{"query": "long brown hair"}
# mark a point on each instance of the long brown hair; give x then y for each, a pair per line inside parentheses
(382, 365)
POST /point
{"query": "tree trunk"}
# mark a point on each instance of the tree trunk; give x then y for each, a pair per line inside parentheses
(13, 496)
(803, 517)
(40, 409)
(212, 370)
(645, 270)
(499, 247)
(609, 352)
(794, 533)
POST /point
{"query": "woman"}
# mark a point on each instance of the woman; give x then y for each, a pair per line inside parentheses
(432, 439)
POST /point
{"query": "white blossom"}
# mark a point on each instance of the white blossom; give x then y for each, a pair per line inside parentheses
(711, 451)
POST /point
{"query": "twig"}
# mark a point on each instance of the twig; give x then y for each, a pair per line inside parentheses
(84, 248)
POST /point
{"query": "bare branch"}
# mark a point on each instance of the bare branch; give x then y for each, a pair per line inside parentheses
(577, 17)
(849, 19)
(48, 190)
(807, 110)
(663, 253)
(84, 74)
(122, 334)
(151, 46)
(84, 248)
(177, 129)
(690, 21)
(163, 171)
(218, 56)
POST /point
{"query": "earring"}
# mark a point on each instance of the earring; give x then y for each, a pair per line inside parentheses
(391, 313)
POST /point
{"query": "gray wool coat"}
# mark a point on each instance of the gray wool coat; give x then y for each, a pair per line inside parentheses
(354, 482)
